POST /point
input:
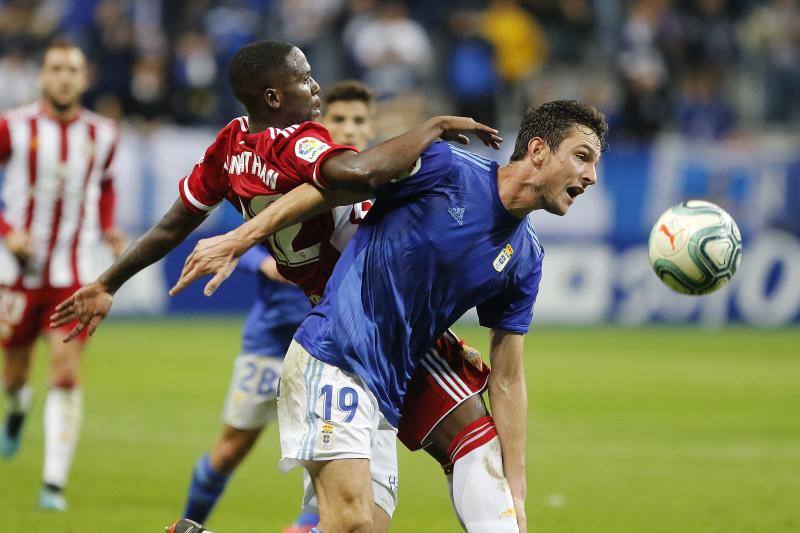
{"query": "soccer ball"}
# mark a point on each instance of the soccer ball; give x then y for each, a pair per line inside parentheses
(695, 247)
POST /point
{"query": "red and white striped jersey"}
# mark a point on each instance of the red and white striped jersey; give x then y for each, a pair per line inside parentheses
(57, 186)
(252, 170)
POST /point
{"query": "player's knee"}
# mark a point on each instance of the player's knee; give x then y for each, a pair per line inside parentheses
(445, 432)
(64, 378)
(354, 518)
(64, 374)
(350, 511)
(12, 382)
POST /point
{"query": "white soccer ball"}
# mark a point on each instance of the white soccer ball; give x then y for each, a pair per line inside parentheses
(695, 247)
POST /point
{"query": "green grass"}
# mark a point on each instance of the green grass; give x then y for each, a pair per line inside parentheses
(631, 430)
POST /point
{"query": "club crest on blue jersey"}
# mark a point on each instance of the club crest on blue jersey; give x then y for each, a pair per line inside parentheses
(503, 258)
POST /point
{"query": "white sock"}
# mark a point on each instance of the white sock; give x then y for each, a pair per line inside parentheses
(21, 400)
(63, 412)
(480, 491)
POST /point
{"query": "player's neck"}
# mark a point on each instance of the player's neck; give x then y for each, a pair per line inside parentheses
(61, 113)
(515, 190)
(260, 123)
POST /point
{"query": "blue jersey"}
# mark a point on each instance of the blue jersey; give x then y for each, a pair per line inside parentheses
(434, 245)
(276, 313)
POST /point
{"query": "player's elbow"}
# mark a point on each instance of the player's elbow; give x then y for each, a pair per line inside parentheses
(355, 178)
(506, 385)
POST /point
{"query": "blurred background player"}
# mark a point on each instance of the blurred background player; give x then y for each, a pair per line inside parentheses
(273, 319)
(58, 203)
(250, 405)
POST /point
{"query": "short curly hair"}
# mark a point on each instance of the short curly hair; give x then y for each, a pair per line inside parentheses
(253, 63)
(552, 122)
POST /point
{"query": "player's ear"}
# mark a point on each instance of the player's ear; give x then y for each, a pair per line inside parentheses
(537, 150)
(272, 98)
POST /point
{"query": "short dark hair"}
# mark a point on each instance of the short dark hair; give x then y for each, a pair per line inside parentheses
(349, 90)
(552, 122)
(252, 62)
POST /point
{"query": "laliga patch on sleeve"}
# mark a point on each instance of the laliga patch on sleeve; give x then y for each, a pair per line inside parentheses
(309, 148)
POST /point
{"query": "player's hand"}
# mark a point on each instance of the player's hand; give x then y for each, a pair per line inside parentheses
(269, 268)
(89, 305)
(18, 242)
(456, 129)
(116, 240)
(217, 256)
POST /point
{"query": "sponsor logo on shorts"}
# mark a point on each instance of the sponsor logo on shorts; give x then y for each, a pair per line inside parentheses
(503, 258)
(309, 148)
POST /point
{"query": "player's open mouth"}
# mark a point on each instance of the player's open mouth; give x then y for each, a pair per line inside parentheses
(574, 191)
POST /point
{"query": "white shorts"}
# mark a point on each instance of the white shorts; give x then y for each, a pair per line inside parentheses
(325, 413)
(252, 394)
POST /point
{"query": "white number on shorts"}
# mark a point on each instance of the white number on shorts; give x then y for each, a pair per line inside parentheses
(282, 243)
(267, 382)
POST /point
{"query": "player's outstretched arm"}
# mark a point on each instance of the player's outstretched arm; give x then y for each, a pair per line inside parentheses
(218, 256)
(373, 168)
(90, 304)
(509, 400)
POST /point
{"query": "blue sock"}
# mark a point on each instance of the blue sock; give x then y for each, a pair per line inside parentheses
(206, 487)
(307, 519)
(316, 530)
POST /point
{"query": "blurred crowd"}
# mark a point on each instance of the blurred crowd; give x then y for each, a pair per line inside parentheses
(705, 68)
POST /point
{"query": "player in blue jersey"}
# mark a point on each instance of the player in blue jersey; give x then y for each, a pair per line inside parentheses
(452, 235)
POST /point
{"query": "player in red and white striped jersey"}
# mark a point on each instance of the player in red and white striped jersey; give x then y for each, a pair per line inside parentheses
(57, 204)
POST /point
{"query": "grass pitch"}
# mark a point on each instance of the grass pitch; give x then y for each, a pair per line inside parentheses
(631, 430)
